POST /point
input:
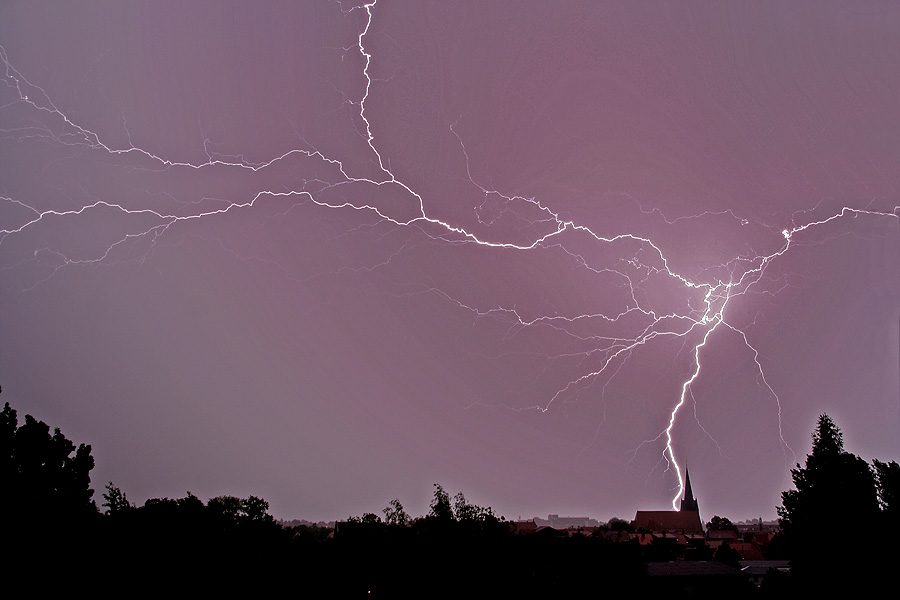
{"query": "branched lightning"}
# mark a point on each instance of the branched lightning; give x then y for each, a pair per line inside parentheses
(708, 299)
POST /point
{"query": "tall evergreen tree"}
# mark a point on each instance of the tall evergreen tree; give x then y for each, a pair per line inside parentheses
(835, 491)
(834, 487)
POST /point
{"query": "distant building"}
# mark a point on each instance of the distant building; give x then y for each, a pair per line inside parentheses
(558, 522)
(526, 527)
(757, 525)
(726, 535)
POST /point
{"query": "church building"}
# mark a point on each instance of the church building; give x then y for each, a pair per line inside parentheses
(686, 520)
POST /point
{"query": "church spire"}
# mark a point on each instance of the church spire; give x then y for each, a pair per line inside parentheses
(688, 503)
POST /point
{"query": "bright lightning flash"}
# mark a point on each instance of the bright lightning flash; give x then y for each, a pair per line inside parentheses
(696, 325)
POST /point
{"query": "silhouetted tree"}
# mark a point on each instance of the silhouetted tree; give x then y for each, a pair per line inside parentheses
(240, 510)
(440, 505)
(617, 524)
(256, 509)
(887, 477)
(47, 514)
(718, 523)
(833, 490)
(8, 425)
(41, 476)
(227, 507)
(471, 513)
(115, 500)
(462, 510)
(727, 555)
(395, 515)
(834, 484)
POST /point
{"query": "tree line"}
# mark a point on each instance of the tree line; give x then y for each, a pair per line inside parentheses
(53, 525)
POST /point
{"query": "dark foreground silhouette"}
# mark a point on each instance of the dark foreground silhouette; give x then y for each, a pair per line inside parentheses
(56, 538)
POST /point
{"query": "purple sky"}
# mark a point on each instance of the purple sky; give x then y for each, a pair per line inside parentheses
(331, 256)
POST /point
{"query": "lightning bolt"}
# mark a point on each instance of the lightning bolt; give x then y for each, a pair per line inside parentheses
(542, 229)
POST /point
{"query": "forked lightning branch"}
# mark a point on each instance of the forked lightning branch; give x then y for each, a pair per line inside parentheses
(696, 325)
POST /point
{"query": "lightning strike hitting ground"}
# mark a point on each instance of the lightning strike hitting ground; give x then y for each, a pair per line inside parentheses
(603, 341)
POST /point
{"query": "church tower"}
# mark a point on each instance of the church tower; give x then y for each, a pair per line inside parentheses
(688, 503)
